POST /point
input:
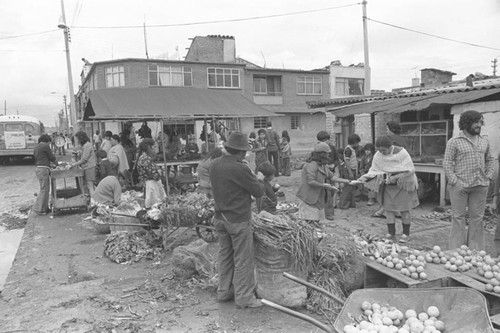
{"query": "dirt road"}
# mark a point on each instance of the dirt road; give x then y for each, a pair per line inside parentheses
(61, 282)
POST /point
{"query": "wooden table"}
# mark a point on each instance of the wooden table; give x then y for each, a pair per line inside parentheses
(437, 169)
(176, 163)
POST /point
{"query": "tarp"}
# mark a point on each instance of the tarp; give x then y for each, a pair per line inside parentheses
(413, 103)
(169, 103)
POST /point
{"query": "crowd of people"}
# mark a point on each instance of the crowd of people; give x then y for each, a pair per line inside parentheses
(242, 173)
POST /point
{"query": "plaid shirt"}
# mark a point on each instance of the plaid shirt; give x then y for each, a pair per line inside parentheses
(467, 163)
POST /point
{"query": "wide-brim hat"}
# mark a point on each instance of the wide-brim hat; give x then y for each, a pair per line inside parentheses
(238, 141)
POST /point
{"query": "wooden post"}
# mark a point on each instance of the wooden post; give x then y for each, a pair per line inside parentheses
(164, 158)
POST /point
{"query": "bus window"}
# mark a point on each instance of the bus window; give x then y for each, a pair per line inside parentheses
(1, 129)
(30, 129)
(14, 128)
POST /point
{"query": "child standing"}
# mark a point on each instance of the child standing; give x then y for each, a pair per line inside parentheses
(104, 166)
(364, 166)
(268, 201)
(286, 152)
(260, 149)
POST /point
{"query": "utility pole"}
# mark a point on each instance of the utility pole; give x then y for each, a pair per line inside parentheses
(367, 90)
(62, 25)
(5, 107)
(66, 113)
(494, 62)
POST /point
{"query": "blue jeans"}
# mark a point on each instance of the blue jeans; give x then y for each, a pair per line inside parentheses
(42, 201)
(475, 199)
(236, 262)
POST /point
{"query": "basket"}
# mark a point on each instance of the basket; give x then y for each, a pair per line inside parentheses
(100, 226)
(125, 220)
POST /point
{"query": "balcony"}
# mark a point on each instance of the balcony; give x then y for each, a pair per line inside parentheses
(269, 98)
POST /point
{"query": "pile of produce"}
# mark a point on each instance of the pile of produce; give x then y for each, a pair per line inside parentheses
(490, 218)
(186, 210)
(287, 207)
(376, 246)
(124, 247)
(389, 319)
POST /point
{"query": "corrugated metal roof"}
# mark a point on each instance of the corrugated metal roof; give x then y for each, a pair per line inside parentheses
(388, 96)
(170, 103)
(413, 103)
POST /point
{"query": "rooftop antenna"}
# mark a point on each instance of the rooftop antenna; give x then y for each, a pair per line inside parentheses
(145, 37)
(263, 58)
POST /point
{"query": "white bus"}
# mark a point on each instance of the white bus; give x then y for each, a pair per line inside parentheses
(18, 136)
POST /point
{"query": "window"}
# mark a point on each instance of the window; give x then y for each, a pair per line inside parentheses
(260, 122)
(14, 128)
(223, 77)
(170, 76)
(259, 85)
(29, 129)
(309, 85)
(295, 122)
(347, 86)
(94, 82)
(115, 76)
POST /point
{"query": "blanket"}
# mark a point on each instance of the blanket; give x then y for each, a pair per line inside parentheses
(398, 163)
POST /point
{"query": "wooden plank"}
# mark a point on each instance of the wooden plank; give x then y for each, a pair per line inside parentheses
(377, 275)
(495, 320)
(492, 298)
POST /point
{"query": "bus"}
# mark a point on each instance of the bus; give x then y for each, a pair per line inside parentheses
(18, 136)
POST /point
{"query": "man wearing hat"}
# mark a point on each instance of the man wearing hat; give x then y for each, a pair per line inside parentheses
(233, 185)
(313, 187)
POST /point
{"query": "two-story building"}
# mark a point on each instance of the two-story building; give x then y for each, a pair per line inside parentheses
(210, 82)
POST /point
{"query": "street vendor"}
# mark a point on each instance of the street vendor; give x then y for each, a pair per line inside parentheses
(392, 174)
(87, 160)
(313, 187)
(43, 159)
(149, 173)
(233, 185)
(108, 192)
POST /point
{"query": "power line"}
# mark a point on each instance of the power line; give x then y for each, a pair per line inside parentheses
(435, 36)
(219, 21)
(29, 34)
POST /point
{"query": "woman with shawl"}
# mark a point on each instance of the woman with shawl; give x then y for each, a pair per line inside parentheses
(392, 175)
(118, 157)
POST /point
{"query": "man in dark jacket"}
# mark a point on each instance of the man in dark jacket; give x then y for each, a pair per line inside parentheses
(273, 147)
(233, 185)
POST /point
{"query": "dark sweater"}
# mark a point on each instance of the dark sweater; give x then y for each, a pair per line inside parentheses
(43, 155)
(233, 184)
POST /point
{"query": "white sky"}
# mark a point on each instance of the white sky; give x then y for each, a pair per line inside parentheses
(32, 67)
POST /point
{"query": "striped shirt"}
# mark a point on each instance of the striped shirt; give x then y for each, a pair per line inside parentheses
(467, 163)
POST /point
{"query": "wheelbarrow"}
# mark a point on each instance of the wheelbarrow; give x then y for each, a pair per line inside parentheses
(463, 310)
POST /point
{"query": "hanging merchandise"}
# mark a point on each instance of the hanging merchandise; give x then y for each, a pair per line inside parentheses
(145, 131)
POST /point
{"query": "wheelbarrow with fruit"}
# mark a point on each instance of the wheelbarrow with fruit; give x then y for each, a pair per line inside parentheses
(384, 310)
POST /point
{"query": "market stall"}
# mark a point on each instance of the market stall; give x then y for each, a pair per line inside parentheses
(216, 110)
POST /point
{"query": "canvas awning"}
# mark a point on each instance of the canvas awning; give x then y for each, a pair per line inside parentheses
(169, 103)
(413, 103)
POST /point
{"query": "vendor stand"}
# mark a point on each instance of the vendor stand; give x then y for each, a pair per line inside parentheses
(426, 143)
(67, 190)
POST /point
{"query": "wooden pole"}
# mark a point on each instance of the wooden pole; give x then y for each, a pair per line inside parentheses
(164, 158)
(367, 86)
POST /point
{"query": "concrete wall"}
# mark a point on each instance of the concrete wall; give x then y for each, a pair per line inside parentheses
(491, 114)
(344, 72)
